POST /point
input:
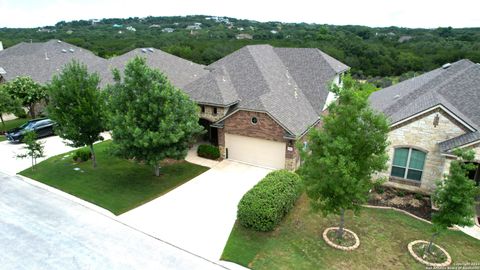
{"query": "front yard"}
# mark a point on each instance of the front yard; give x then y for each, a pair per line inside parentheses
(384, 235)
(116, 184)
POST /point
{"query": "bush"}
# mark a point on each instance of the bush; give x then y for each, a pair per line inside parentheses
(401, 193)
(418, 196)
(81, 155)
(20, 114)
(208, 151)
(264, 206)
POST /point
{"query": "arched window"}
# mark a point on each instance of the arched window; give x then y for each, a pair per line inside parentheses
(408, 163)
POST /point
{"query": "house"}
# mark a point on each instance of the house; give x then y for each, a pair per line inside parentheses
(193, 27)
(168, 30)
(244, 36)
(131, 28)
(430, 116)
(257, 102)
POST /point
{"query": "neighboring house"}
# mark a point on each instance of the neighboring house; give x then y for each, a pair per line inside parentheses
(42, 60)
(257, 102)
(178, 70)
(430, 116)
(168, 30)
(193, 27)
(131, 28)
(244, 36)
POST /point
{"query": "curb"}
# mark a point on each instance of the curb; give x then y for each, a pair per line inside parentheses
(67, 196)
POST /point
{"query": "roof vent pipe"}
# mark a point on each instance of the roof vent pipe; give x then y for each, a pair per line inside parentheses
(447, 65)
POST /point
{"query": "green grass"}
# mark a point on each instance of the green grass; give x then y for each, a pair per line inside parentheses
(384, 235)
(11, 124)
(116, 184)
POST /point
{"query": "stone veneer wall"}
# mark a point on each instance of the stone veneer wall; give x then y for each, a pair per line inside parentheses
(209, 115)
(420, 133)
(240, 124)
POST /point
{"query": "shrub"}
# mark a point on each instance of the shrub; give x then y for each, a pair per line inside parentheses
(401, 193)
(264, 206)
(81, 155)
(208, 151)
(418, 196)
(21, 114)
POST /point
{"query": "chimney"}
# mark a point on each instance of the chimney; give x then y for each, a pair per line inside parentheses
(1, 46)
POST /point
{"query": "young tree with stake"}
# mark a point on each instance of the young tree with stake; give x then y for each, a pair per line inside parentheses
(33, 147)
(455, 196)
(342, 156)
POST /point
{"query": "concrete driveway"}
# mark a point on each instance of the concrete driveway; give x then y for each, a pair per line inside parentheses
(199, 215)
(41, 230)
(11, 165)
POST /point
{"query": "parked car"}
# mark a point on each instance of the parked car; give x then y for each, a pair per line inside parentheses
(42, 126)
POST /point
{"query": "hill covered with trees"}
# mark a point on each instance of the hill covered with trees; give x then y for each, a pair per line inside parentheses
(371, 52)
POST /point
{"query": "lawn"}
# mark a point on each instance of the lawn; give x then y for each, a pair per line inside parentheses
(11, 124)
(384, 235)
(116, 184)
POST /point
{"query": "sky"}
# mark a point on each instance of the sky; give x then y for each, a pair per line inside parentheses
(375, 13)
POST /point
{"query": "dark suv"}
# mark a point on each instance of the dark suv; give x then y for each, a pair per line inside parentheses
(43, 127)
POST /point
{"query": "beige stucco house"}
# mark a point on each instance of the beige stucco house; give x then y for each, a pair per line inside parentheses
(431, 115)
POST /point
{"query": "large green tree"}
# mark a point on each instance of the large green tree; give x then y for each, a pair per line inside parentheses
(151, 119)
(77, 106)
(27, 91)
(455, 196)
(8, 104)
(342, 156)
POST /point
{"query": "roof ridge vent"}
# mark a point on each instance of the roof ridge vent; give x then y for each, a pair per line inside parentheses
(396, 96)
(150, 49)
(64, 51)
(71, 50)
(144, 50)
(447, 65)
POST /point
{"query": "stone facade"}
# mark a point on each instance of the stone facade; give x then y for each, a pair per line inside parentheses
(422, 134)
(240, 123)
(209, 114)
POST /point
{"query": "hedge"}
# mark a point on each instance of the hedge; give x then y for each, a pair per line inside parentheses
(208, 151)
(265, 205)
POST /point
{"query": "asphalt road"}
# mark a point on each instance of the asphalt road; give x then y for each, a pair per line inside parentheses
(42, 230)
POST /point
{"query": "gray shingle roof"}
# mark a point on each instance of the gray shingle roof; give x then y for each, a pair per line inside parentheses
(41, 61)
(291, 84)
(178, 70)
(455, 87)
(30, 59)
(448, 145)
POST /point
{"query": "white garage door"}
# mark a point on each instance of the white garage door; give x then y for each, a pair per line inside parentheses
(255, 151)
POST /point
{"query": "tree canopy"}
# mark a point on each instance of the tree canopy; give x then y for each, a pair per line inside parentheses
(76, 104)
(8, 104)
(27, 91)
(151, 119)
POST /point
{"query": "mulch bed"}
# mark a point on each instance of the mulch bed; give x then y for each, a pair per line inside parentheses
(347, 240)
(414, 203)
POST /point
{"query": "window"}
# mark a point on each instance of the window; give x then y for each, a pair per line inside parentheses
(202, 108)
(214, 111)
(408, 163)
(254, 120)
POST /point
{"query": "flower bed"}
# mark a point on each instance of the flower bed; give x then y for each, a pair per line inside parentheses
(438, 257)
(348, 242)
(414, 203)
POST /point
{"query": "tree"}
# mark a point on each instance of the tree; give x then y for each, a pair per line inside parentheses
(8, 104)
(33, 147)
(27, 91)
(455, 196)
(77, 106)
(344, 153)
(151, 119)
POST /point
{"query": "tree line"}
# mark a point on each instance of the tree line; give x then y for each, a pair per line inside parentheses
(371, 52)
